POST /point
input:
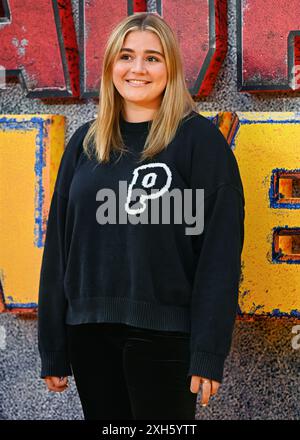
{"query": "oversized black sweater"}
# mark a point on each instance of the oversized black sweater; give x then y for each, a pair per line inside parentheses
(149, 275)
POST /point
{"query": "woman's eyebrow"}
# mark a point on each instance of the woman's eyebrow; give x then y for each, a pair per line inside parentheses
(127, 49)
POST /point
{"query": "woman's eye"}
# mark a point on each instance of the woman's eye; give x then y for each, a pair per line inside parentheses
(122, 57)
(154, 58)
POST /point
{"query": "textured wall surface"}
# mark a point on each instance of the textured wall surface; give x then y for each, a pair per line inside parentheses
(261, 377)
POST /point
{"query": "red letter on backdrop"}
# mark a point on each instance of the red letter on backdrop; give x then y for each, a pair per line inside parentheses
(97, 18)
(200, 26)
(268, 45)
(38, 43)
(201, 29)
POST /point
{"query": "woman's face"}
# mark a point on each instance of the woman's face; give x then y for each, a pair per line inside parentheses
(134, 62)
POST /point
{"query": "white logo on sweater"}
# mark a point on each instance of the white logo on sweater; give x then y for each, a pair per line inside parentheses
(147, 180)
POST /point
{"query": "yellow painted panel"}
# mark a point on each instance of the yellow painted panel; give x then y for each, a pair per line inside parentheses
(263, 144)
(31, 147)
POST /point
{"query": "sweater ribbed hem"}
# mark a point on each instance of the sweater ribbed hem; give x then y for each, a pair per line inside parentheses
(207, 365)
(55, 363)
(145, 315)
(128, 311)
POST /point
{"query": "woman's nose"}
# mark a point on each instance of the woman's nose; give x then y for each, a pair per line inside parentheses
(138, 65)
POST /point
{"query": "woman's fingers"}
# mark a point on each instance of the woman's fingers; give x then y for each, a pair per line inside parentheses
(208, 388)
(214, 387)
(206, 391)
(56, 388)
(195, 384)
(56, 384)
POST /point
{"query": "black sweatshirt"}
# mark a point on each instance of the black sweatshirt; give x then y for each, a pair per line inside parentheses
(148, 275)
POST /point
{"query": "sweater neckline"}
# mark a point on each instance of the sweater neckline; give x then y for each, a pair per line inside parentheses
(134, 127)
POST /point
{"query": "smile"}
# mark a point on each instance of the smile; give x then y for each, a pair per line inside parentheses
(137, 83)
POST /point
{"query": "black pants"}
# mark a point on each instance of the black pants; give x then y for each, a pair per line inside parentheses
(125, 372)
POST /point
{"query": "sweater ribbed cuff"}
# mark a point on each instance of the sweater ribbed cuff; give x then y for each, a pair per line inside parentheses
(207, 365)
(55, 363)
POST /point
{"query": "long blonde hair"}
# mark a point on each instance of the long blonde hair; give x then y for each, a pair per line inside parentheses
(104, 133)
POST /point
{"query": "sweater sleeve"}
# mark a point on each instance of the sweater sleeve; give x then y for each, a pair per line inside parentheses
(52, 340)
(218, 251)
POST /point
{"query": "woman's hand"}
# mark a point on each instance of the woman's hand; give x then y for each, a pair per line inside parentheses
(209, 388)
(57, 384)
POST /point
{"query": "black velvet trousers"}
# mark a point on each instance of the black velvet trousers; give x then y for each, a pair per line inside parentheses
(128, 373)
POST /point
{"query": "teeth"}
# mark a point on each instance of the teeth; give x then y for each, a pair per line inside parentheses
(137, 81)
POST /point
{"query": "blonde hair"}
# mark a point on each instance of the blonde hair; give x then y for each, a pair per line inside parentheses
(104, 133)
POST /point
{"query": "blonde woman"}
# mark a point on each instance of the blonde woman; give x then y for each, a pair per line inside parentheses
(138, 309)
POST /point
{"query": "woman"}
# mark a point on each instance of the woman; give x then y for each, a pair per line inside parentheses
(141, 312)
